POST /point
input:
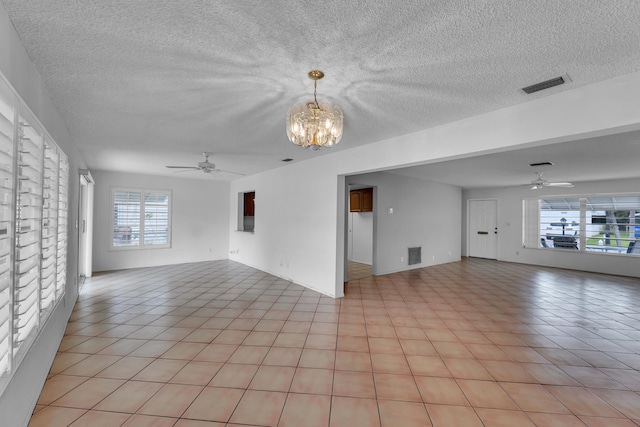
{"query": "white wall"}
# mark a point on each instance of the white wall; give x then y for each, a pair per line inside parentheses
(361, 237)
(300, 220)
(199, 220)
(294, 235)
(425, 214)
(510, 228)
(20, 396)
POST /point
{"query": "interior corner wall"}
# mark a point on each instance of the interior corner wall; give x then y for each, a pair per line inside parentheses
(425, 214)
(19, 398)
(295, 225)
(510, 226)
(199, 221)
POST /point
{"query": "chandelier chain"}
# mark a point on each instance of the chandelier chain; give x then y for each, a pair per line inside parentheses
(315, 98)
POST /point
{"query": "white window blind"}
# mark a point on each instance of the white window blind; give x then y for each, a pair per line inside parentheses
(28, 228)
(596, 223)
(612, 224)
(34, 175)
(156, 219)
(63, 211)
(49, 226)
(141, 218)
(7, 129)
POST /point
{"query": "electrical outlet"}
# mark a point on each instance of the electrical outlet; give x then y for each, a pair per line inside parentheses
(401, 259)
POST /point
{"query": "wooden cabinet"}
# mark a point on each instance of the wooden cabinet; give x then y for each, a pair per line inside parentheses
(249, 207)
(361, 200)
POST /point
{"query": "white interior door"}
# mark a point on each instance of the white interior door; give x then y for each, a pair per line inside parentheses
(483, 229)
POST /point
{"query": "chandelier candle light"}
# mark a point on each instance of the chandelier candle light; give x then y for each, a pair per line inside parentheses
(314, 124)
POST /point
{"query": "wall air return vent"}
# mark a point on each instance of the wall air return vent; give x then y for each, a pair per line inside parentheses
(544, 85)
(415, 255)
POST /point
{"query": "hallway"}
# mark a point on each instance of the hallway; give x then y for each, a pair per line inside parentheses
(471, 343)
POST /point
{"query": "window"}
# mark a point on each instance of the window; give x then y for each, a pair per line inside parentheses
(141, 219)
(603, 224)
(34, 176)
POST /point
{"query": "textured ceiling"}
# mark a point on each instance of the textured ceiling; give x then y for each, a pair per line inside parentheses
(147, 83)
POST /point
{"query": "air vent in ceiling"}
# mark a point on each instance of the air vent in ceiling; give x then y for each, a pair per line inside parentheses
(541, 164)
(287, 160)
(544, 85)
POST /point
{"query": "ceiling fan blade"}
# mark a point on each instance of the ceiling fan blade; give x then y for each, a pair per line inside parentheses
(226, 171)
(184, 170)
(559, 184)
(182, 167)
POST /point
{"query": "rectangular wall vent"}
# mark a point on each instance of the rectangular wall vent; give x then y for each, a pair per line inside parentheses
(543, 85)
(415, 255)
(541, 164)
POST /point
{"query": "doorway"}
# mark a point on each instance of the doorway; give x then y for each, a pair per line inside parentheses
(360, 231)
(483, 229)
(85, 232)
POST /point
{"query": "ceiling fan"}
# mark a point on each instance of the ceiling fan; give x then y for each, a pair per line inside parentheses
(206, 167)
(540, 182)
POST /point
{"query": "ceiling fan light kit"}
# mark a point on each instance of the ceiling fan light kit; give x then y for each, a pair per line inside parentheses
(314, 124)
(540, 182)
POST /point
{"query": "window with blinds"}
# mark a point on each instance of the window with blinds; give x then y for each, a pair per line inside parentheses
(141, 219)
(34, 176)
(601, 224)
(7, 129)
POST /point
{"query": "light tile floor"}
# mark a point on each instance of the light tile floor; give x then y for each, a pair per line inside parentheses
(471, 343)
(358, 270)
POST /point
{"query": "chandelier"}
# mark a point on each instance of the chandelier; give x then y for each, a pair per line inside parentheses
(314, 124)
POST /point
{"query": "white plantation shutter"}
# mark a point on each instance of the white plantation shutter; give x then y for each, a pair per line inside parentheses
(34, 177)
(7, 129)
(126, 218)
(140, 219)
(63, 211)
(28, 229)
(49, 227)
(156, 218)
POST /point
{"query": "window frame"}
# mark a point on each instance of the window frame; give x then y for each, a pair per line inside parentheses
(533, 223)
(143, 192)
